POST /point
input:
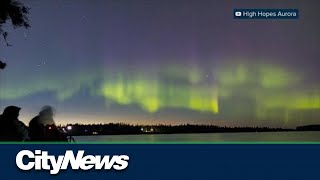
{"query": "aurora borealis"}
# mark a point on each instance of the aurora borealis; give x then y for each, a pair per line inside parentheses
(168, 62)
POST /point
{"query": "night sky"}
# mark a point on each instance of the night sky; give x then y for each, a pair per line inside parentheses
(164, 61)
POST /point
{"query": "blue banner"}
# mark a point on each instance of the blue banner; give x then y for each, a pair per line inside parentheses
(180, 161)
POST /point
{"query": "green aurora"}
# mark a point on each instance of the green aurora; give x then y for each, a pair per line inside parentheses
(237, 91)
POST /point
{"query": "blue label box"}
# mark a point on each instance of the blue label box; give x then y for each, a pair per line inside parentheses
(265, 13)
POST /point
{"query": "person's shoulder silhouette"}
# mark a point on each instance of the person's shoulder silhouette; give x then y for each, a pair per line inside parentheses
(36, 129)
(11, 129)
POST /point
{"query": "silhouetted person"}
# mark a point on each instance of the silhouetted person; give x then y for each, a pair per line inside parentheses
(43, 128)
(11, 129)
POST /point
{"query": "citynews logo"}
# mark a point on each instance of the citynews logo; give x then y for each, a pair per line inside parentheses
(40, 160)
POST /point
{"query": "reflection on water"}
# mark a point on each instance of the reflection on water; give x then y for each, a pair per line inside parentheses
(208, 137)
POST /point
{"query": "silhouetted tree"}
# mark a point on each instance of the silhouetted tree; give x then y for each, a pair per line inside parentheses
(2, 65)
(17, 13)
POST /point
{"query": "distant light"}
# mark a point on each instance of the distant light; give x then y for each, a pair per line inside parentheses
(69, 128)
(49, 127)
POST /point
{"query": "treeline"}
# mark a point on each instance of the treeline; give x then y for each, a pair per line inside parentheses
(308, 128)
(121, 128)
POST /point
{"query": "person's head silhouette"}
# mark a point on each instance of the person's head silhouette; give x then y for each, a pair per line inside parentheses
(47, 111)
(11, 112)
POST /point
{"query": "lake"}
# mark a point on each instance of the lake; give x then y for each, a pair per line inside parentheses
(308, 136)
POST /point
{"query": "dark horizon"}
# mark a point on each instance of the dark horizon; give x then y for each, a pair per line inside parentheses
(133, 129)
